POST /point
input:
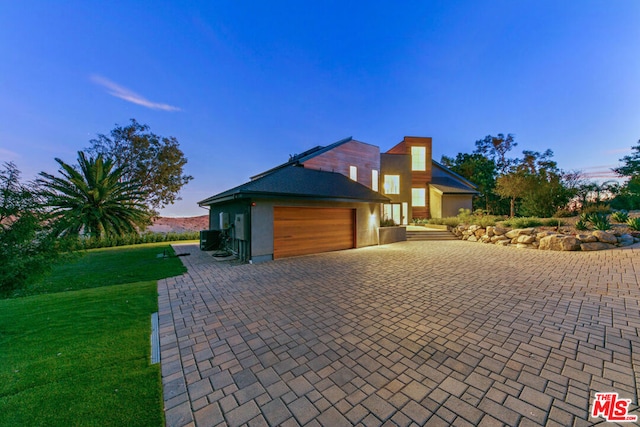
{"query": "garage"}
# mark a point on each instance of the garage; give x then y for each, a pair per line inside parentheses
(307, 230)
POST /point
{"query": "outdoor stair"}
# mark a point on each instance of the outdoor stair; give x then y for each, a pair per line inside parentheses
(427, 234)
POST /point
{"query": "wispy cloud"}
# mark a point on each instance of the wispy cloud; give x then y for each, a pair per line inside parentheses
(121, 92)
(8, 155)
(617, 151)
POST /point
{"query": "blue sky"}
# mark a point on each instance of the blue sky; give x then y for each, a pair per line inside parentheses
(242, 85)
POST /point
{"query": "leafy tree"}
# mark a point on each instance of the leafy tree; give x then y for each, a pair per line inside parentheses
(154, 162)
(631, 167)
(536, 180)
(629, 194)
(26, 245)
(496, 149)
(512, 186)
(93, 199)
(480, 170)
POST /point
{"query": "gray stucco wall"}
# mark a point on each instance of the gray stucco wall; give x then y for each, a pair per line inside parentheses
(451, 203)
(446, 205)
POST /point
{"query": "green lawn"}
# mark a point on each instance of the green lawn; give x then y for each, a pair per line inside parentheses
(79, 353)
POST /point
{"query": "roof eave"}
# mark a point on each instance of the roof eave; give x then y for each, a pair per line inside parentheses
(276, 195)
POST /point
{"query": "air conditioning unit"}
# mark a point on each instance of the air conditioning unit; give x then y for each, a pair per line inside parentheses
(210, 240)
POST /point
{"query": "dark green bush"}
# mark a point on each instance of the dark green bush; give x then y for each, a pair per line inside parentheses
(565, 213)
(581, 225)
(599, 221)
(596, 208)
(451, 221)
(84, 243)
(524, 222)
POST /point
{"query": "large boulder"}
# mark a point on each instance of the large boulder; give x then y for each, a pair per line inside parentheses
(519, 232)
(559, 243)
(542, 234)
(499, 231)
(605, 237)
(587, 238)
(625, 240)
(596, 246)
(527, 240)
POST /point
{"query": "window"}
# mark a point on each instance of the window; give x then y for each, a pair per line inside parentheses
(405, 213)
(391, 211)
(392, 184)
(374, 180)
(418, 197)
(353, 172)
(419, 158)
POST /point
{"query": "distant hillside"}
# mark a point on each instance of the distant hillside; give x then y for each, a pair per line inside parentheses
(179, 225)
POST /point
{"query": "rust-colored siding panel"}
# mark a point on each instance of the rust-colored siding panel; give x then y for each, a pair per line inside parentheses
(302, 230)
(419, 179)
(353, 153)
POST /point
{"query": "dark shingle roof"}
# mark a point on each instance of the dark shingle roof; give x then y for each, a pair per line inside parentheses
(451, 186)
(297, 182)
(297, 159)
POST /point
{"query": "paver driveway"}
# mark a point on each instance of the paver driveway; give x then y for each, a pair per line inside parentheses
(414, 333)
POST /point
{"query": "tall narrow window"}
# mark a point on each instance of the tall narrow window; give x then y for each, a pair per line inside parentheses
(418, 197)
(392, 184)
(374, 180)
(405, 213)
(353, 172)
(419, 158)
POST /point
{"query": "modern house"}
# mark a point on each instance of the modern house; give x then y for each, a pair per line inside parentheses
(334, 197)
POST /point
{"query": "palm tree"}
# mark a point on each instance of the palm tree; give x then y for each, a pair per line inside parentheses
(93, 199)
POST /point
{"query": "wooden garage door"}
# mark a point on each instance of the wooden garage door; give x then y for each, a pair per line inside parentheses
(301, 231)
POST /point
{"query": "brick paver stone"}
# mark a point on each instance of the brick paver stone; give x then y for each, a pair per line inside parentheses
(416, 333)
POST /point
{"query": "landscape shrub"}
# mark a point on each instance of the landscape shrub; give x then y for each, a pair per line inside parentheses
(83, 243)
(599, 207)
(387, 223)
(451, 221)
(581, 225)
(634, 223)
(620, 217)
(599, 221)
(478, 217)
(522, 222)
(485, 221)
(565, 213)
(552, 222)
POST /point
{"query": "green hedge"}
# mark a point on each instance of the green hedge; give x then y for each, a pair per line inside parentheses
(83, 243)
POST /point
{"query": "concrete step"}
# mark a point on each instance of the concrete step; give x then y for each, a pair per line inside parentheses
(430, 235)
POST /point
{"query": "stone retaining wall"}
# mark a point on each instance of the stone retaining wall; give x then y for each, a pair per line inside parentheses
(532, 238)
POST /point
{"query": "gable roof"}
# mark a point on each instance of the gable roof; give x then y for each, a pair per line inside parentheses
(451, 183)
(448, 185)
(290, 181)
(297, 159)
(455, 176)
